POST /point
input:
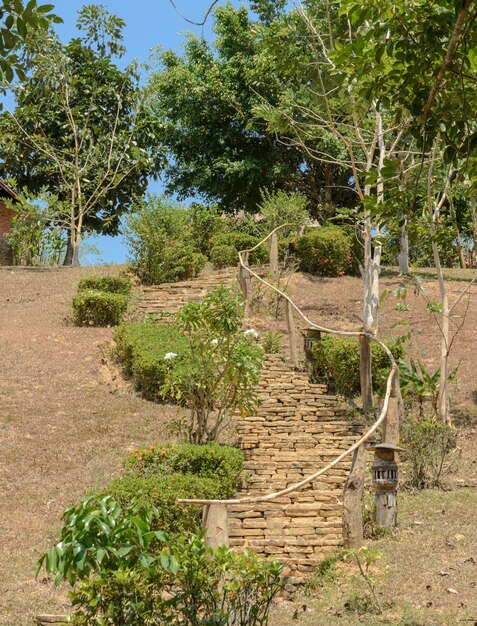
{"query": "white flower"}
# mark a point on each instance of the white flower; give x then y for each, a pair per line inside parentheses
(169, 356)
(214, 342)
(251, 332)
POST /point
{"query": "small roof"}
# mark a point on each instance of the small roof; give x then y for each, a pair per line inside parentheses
(5, 191)
(386, 446)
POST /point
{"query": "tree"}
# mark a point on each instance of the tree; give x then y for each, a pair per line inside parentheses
(82, 129)
(16, 21)
(218, 149)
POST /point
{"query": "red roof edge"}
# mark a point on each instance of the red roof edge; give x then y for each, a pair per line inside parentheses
(7, 190)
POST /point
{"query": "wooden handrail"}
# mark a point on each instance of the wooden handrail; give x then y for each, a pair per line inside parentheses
(382, 416)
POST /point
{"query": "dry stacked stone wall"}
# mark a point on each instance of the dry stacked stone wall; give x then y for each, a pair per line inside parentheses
(298, 429)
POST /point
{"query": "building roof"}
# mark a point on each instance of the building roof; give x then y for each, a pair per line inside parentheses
(6, 192)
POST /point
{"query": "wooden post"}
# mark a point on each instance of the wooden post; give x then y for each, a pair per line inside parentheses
(352, 496)
(291, 333)
(300, 230)
(393, 415)
(273, 250)
(214, 522)
(245, 281)
(365, 373)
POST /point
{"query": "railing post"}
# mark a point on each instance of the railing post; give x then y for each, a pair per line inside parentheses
(291, 333)
(273, 251)
(393, 414)
(215, 524)
(245, 283)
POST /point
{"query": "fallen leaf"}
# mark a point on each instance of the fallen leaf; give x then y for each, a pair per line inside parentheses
(443, 573)
(470, 560)
(451, 590)
(459, 537)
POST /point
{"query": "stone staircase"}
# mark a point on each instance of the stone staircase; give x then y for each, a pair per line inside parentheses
(298, 429)
(171, 297)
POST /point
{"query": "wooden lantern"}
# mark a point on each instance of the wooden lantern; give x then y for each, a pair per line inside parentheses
(385, 482)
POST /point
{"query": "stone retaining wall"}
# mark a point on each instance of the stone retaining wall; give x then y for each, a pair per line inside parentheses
(297, 430)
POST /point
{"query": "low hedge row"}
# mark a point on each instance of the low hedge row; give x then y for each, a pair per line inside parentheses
(328, 251)
(158, 475)
(101, 300)
(110, 284)
(142, 348)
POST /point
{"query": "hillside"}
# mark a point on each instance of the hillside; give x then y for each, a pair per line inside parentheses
(67, 420)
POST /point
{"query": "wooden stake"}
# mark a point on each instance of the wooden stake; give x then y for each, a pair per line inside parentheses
(393, 415)
(214, 521)
(352, 496)
(291, 333)
(365, 373)
(273, 250)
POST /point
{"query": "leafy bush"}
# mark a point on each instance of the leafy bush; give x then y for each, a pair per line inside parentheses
(156, 491)
(221, 463)
(242, 241)
(110, 284)
(430, 449)
(272, 342)
(218, 376)
(278, 208)
(336, 363)
(98, 308)
(142, 349)
(326, 251)
(194, 585)
(160, 236)
(223, 255)
(206, 222)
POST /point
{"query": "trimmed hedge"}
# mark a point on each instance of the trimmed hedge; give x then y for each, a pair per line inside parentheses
(110, 284)
(327, 251)
(141, 348)
(337, 362)
(219, 463)
(162, 492)
(99, 308)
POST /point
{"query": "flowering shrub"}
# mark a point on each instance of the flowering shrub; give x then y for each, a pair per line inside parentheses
(219, 373)
(326, 251)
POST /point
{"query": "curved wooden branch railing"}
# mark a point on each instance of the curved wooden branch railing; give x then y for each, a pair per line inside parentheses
(392, 377)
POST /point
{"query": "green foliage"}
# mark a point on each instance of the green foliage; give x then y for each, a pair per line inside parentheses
(279, 208)
(326, 251)
(430, 450)
(34, 237)
(239, 240)
(219, 374)
(99, 308)
(18, 19)
(160, 492)
(220, 463)
(160, 238)
(418, 384)
(110, 284)
(337, 360)
(272, 342)
(80, 127)
(206, 222)
(195, 586)
(223, 255)
(142, 348)
(101, 534)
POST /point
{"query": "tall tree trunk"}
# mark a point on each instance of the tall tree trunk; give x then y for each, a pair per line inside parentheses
(403, 258)
(69, 251)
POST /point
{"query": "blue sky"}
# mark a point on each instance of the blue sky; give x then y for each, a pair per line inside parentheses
(149, 23)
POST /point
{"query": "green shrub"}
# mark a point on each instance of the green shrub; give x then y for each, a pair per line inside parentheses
(161, 492)
(430, 448)
(326, 251)
(336, 363)
(242, 241)
(188, 584)
(98, 308)
(272, 342)
(220, 463)
(223, 255)
(142, 348)
(160, 238)
(110, 284)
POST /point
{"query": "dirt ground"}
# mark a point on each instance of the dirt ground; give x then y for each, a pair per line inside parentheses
(66, 423)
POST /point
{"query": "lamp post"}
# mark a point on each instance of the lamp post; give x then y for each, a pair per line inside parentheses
(385, 482)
